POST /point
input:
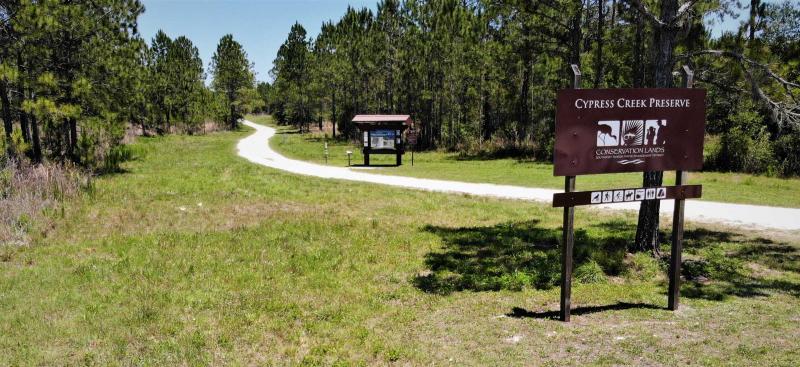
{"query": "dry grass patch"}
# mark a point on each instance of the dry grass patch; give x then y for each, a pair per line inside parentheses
(28, 190)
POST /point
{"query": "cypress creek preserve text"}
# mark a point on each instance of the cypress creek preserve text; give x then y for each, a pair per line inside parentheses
(631, 103)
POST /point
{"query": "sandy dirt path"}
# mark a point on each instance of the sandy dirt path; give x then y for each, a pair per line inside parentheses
(256, 149)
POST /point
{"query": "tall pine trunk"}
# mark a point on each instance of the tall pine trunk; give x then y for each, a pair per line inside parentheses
(754, 5)
(6, 106)
(647, 229)
(23, 117)
(73, 140)
(599, 64)
(638, 52)
(575, 34)
(333, 111)
(233, 116)
(7, 122)
(37, 141)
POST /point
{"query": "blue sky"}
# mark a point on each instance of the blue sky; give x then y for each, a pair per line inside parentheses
(260, 26)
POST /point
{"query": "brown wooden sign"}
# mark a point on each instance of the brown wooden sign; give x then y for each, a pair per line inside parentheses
(577, 198)
(411, 137)
(629, 130)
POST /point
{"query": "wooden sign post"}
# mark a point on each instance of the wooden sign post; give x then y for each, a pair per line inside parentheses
(568, 237)
(627, 130)
(411, 138)
(677, 222)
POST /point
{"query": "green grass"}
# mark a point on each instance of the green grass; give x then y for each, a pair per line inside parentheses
(194, 256)
(717, 186)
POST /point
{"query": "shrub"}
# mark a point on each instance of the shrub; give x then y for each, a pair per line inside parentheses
(643, 266)
(589, 272)
(787, 154)
(737, 151)
(115, 156)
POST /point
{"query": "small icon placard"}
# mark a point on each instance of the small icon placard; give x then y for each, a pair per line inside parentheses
(615, 196)
(629, 194)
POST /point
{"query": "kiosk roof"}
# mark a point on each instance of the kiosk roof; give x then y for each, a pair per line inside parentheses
(378, 119)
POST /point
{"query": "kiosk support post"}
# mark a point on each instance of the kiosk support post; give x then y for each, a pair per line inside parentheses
(568, 234)
(367, 147)
(674, 292)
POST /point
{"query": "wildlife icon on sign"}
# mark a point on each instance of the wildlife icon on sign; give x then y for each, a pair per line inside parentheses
(607, 133)
(629, 195)
(632, 132)
(596, 197)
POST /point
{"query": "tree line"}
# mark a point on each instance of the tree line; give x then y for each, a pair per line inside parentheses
(76, 75)
(481, 75)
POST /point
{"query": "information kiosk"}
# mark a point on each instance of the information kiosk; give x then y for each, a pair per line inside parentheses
(382, 134)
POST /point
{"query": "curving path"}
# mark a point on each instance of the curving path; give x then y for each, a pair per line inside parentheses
(256, 149)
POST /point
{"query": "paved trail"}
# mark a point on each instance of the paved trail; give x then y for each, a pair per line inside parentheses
(256, 149)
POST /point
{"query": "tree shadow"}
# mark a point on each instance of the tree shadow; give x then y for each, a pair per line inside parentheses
(519, 313)
(288, 132)
(513, 255)
(373, 165)
(510, 256)
(725, 264)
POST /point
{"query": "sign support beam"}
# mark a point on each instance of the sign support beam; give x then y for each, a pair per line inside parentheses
(674, 292)
(568, 228)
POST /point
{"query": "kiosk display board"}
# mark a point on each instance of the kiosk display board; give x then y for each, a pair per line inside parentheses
(629, 130)
(382, 139)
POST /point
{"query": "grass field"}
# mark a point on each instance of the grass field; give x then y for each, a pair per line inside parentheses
(717, 186)
(193, 256)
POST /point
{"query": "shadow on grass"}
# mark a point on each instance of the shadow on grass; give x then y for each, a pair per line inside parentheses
(517, 312)
(515, 255)
(516, 153)
(512, 256)
(724, 264)
(379, 165)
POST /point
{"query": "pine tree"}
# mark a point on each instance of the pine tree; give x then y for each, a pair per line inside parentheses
(233, 78)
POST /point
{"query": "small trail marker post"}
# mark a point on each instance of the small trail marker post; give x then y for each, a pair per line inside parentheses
(627, 130)
(411, 137)
(326, 152)
(349, 155)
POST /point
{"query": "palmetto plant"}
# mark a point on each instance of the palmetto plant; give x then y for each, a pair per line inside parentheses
(632, 132)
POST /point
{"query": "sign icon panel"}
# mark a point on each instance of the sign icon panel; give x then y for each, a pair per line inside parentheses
(650, 194)
(619, 196)
(607, 196)
(596, 197)
(661, 193)
(629, 195)
(639, 195)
